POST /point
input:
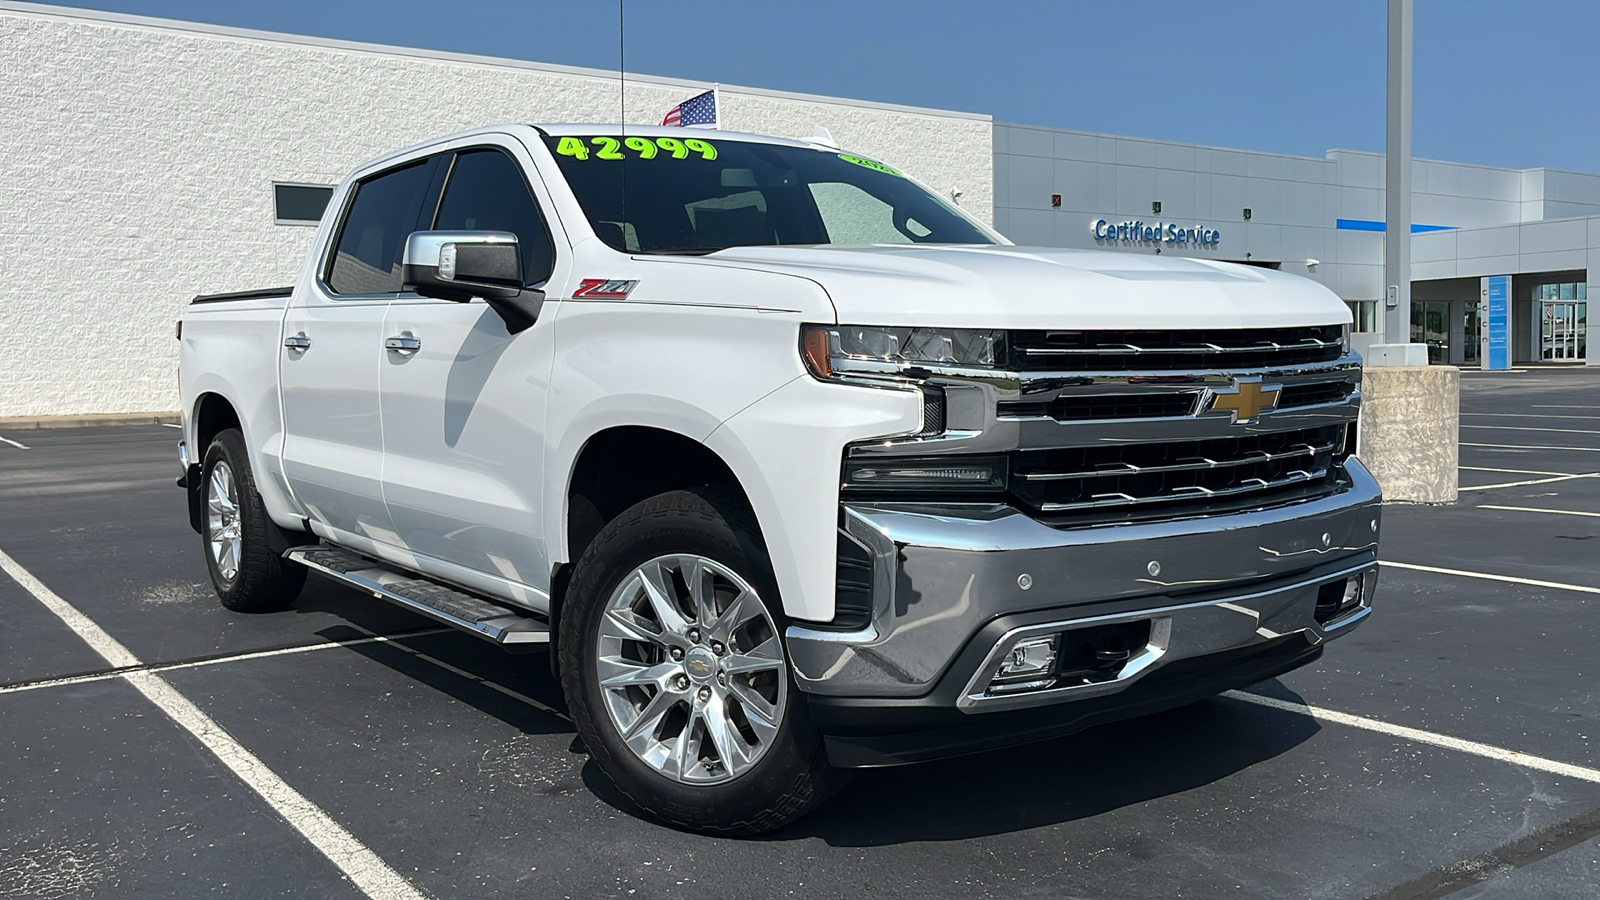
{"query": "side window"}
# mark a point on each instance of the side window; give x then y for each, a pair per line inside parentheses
(486, 192)
(372, 240)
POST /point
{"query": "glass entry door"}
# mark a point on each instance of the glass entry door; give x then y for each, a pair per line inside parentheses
(1560, 328)
(1563, 321)
(1430, 324)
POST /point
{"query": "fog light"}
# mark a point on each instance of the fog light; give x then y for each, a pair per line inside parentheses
(1029, 664)
(1352, 593)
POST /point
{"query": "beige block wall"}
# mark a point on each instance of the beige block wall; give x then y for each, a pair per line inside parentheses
(1410, 422)
(137, 158)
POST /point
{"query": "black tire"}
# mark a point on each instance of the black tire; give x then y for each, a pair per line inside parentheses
(792, 777)
(264, 581)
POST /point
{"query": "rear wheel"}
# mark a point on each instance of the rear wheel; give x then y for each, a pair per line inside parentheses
(247, 575)
(674, 669)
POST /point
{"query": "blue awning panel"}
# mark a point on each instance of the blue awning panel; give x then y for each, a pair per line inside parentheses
(1369, 225)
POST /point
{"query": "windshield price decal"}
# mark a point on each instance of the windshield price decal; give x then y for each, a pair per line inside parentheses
(644, 148)
(872, 164)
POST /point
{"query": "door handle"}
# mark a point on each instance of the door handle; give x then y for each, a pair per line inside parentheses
(404, 343)
(297, 341)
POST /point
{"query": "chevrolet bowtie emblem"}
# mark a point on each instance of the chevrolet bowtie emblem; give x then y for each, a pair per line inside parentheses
(1246, 400)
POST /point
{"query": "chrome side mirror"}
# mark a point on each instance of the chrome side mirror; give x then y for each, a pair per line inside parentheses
(461, 265)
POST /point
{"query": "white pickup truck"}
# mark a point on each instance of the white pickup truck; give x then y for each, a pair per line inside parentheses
(793, 466)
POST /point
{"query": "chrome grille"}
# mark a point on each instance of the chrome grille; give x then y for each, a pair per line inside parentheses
(1203, 349)
(1074, 408)
(1171, 476)
(1294, 395)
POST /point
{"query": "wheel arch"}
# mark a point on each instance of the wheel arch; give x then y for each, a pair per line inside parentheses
(659, 460)
(214, 413)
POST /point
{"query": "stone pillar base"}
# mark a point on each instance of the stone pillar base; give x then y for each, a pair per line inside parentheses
(1410, 431)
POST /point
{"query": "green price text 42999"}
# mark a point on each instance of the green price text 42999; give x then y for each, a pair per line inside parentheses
(602, 147)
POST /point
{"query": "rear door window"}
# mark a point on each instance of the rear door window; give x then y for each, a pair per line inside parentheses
(487, 192)
(372, 239)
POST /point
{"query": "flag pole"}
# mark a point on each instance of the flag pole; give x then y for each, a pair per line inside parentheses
(716, 100)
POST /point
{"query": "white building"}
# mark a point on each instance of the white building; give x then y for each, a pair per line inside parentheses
(1323, 218)
(145, 161)
(140, 157)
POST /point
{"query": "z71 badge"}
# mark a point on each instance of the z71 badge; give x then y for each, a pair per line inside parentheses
(605, 288)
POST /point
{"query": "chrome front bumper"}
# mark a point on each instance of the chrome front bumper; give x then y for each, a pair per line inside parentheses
(1207, 585)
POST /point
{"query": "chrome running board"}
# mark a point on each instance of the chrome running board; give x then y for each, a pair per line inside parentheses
(430, 598)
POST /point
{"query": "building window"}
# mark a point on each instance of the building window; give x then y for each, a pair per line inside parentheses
(1366, 316)
(299, 204)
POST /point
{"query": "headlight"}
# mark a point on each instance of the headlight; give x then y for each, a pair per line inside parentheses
(832, 349)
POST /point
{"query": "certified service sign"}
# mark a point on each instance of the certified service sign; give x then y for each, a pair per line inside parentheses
(1138, 231)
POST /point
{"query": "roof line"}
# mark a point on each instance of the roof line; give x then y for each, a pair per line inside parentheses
(151, 23)
(1169, 143)
(1325, 158)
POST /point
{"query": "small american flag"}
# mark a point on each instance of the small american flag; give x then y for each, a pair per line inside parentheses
(696, 112)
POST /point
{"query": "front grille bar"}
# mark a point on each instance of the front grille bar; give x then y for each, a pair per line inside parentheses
(1269, 347)
(1258, 456)
(1100, 501)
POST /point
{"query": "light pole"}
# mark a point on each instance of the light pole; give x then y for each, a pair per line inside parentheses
(1397, 186)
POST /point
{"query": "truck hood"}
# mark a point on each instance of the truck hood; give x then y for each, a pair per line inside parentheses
(1041, 287)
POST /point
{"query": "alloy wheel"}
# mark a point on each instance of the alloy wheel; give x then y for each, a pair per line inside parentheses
(224, 531)
(691, 669)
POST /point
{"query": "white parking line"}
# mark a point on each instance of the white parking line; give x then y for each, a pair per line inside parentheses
(363, 867)
(1532, 428)
(1527, 416)
(1530, 447)
(216, 660)
(1487, 751)
(175, 425)
(1510, 471)
(1490, 487)
(19, 446)
(1562, 406)
(1485, 575)
(1558, 512)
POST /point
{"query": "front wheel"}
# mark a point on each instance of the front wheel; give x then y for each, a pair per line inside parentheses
(674, 669)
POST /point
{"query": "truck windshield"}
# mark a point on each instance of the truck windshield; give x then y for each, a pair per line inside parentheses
(691, 195)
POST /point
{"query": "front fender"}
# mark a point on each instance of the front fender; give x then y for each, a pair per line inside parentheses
(786, 450)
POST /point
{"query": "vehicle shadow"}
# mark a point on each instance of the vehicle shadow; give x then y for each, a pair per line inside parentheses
(515, 688)
(1056, 781)
(1047, 783)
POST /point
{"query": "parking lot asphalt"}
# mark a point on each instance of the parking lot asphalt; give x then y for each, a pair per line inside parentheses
(1452, 753)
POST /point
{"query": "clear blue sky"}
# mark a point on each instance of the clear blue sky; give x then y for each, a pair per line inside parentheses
(1500, 82)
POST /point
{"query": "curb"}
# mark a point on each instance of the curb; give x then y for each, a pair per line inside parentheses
(31, 423)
